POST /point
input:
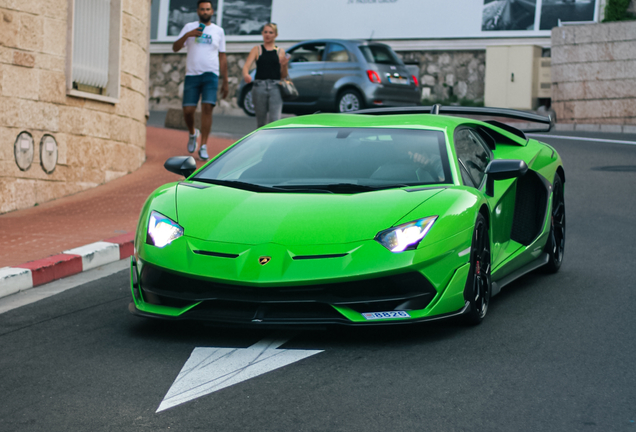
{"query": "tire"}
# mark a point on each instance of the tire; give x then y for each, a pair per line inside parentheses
(479, 284)
(248, 103)
(349, 100)
(555, 246)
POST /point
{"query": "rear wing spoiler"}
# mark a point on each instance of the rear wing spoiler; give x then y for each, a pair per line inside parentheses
(470, 111)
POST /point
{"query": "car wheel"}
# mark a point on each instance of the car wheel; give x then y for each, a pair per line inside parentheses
(248, 102)
(478, 284)
(556, 241)
(349, 100)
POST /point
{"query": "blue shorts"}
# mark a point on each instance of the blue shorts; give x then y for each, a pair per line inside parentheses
(195, 86)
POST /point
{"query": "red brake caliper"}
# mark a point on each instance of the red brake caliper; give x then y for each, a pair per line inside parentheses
(478, 268)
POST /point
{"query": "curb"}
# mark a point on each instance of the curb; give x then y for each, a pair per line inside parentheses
(73, 261)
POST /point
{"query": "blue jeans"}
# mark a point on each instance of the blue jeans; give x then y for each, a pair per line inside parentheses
(195, 86)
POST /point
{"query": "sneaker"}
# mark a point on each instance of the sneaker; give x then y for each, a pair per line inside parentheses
(203, 152)
(192, 142)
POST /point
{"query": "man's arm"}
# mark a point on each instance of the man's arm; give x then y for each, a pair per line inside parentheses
(225, 89)
(182, 40)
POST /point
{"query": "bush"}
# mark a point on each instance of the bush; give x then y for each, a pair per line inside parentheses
(616, 10)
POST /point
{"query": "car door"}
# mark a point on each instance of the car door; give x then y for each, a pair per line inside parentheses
(306, 65)
(339, 64)
(474, 155)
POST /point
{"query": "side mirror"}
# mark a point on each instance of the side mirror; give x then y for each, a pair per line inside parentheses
(182, 165)
(503, 170)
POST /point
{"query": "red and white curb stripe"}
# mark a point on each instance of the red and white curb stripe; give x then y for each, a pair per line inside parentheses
(70, 262)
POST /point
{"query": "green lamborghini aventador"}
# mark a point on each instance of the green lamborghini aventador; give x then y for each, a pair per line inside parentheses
(379, 217)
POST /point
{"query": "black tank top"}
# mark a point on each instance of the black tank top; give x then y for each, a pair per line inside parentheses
(268, 65)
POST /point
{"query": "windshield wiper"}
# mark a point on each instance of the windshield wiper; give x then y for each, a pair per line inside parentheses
(240, 185)
(333, 187)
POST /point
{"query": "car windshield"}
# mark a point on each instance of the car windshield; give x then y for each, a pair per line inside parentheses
(332, 160)
(379, 54)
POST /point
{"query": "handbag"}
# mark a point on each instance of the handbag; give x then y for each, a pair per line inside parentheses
(288, 91)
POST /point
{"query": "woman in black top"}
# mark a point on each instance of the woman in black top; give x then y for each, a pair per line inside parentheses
(271, 66)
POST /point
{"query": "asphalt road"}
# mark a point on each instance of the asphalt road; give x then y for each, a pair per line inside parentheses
(555, 353)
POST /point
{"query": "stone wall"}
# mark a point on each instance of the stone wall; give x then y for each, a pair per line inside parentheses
(594, 74)
(450, 73)
(167, 74)
(442, 74)
(97, 141)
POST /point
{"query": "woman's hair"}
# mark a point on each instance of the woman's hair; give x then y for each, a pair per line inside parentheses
(272, 25)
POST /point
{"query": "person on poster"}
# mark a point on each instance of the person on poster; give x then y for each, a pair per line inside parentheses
(206, 58)
(271, 67)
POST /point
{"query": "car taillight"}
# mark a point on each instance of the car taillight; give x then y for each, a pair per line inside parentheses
(373, 76)
(417, 83)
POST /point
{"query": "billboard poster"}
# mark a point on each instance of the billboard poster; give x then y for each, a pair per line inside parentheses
(297, 20)
(182, 12)
(245, 17)
(508, 15)
(566, 10)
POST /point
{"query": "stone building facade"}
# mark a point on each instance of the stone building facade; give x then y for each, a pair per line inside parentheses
(594, 76)
(95, 140)
(443, 74)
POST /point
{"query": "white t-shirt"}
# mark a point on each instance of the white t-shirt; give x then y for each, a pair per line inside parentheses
(203, 52)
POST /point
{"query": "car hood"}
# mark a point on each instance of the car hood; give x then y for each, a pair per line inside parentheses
(224, 214)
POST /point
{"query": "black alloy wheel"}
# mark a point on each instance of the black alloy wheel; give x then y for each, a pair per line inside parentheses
(478, 285)
(555, 246)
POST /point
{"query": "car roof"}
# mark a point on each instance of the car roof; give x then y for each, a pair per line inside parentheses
(414, 121)
(341, 41)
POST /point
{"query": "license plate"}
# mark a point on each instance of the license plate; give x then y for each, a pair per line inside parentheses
(385, 315)
(394, 80)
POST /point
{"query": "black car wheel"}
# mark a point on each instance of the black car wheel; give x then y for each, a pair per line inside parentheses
(478, 284)
(248, 102)
(349, 100)
(556, 242)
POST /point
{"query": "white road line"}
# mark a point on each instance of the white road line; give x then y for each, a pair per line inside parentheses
(35, 294)
(212, 369)
(583, 139)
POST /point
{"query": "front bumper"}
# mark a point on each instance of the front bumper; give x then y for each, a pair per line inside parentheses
(161, 293)
(327, 284)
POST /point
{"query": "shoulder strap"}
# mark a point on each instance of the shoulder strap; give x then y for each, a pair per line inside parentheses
(260, 51)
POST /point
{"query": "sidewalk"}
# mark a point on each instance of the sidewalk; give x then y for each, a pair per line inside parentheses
(109, 211)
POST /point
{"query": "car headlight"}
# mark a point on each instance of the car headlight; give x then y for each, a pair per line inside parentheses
(162, 230)
(406, 236)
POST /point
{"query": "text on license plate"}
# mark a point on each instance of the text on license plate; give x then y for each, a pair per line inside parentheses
(386, 315)
(394, 80)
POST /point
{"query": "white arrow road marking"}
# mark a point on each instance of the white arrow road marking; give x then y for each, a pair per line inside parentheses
(212, 369)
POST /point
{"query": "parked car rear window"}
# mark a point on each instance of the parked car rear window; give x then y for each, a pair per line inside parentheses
(379, 54)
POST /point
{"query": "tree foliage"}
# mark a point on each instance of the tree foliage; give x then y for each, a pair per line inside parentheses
(616, 10)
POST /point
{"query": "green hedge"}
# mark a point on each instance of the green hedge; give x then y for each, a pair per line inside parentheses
(616, 10)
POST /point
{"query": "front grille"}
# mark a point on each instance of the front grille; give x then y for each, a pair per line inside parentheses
(247, 312)
(401, 287)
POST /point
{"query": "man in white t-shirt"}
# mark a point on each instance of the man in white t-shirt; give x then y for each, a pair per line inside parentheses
(206, 58)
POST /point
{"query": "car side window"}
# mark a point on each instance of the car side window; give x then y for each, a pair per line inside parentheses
(465, 176)
(307, 53)
(337, 53)
(473, 156)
